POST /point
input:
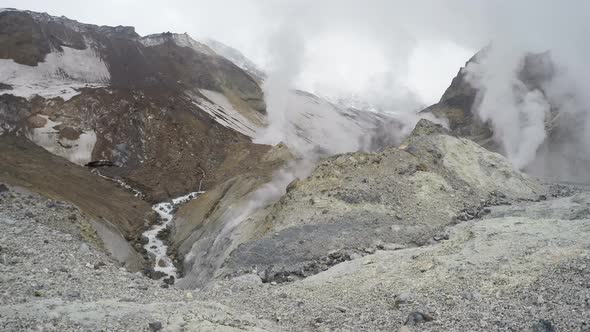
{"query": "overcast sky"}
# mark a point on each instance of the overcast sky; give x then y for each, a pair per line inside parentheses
(385, 49)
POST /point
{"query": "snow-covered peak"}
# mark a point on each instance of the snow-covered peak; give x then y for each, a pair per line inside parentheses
(182, 40)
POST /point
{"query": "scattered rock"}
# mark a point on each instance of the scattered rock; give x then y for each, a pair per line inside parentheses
(440, 237)
(170, 280)
(153, 274)
(543, 326)
(417, 317)
(72, 295)
(393, 246)
(144, 240)
(469, 296)
(341, 309)
(248, 279)
(99, 264)
(404, 297)
(155, 326)
(3, 188)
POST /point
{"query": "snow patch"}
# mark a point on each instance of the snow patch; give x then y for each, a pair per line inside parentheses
(8, 10)
(62, 74)
(78, 151)
(156, 246)
(222, 111)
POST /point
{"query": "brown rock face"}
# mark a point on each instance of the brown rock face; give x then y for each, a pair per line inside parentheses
(144, 118)
(21, 39)
(456, 105)
(165, 146)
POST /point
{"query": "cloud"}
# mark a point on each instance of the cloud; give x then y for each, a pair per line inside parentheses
(348, 43)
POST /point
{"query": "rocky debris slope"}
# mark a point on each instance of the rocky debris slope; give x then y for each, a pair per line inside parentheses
(517, 269)
(514, 264)
(523, 271)
(197, 226)
(355, 203)
(116, 216)
(401, 196)
(54, 276)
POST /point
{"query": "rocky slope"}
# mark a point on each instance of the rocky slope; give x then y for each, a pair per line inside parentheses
(519, 267)
(55, 277)
(112, 213)
(351, 204)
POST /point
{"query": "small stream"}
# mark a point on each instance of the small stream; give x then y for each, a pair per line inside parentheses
(165, 210)
(155, 246)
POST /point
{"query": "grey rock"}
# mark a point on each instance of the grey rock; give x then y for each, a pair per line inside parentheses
(543, 326)
(370, 250)
(354, 256)
(248, 279)
(72, 295)
(144, 240)
(404, 297)
(9, 222)
(84, 249)
(155, 326)
(341, 308)
(393, 246)
(417, 317)
(469, 296)
(170, 280)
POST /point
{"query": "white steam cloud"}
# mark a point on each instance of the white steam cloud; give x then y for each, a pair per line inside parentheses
(288, 50)
(533, 83)
(516, 113)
